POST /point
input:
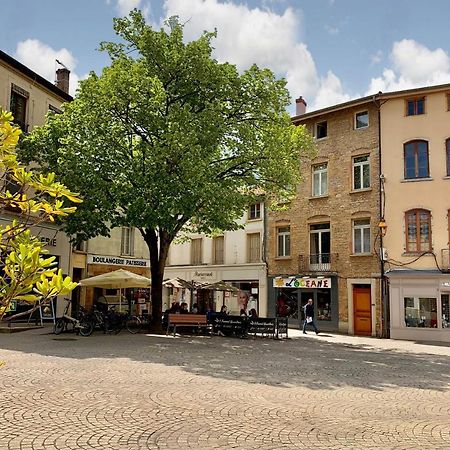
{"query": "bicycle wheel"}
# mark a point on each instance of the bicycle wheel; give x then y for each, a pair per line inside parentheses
(134, 324)
(59, 326)
(86, 327)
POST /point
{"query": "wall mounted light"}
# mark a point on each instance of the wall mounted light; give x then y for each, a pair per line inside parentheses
(382, 227)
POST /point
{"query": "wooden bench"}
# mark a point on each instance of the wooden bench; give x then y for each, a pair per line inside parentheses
(186, 320)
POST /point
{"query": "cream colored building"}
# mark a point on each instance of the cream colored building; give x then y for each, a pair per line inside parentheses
(29, 97)
(236, 257)
(415, 180)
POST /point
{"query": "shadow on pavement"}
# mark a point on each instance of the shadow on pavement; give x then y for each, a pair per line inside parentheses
(302, 361)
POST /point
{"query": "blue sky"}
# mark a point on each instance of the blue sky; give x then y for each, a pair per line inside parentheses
(328, 50)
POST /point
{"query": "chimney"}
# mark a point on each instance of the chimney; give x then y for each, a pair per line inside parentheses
(62, 79)
(300, 106)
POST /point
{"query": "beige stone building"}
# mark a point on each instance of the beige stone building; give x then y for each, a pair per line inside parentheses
(415, 145)
(29, 97)
(325, 246)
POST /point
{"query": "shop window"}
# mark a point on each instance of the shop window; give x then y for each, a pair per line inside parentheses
(420, 312)
(254, 211)
(287, 303)
(18, 106)
(445, 311)
(283, 241)
(197, 251)
(361, 236)
(361, 172)
(418, 231)
(127, 244)
(362, 120)
(416, 160)
(319, 180)
(415, 106)
(321, 130)
(253, 247)
(218, 244)
(324, 304)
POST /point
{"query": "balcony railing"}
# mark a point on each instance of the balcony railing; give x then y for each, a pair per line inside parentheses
(318, 262)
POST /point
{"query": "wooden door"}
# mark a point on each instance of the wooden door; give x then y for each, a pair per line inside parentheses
(362, 311)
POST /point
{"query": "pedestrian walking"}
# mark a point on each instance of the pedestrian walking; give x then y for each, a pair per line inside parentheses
(309, 316)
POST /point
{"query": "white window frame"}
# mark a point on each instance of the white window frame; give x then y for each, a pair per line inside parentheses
(358, 234)
(195, 262)
(216, 260)
(127, 241)
(356, 120)
(284, 250)
(320, 173)
(359, 166)
(256, 209)
(251, 236)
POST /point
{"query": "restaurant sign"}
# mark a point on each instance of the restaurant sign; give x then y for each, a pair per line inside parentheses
(301, 282)
(117, 261)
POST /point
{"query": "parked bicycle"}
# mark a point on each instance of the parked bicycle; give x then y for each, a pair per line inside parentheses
(83, 325)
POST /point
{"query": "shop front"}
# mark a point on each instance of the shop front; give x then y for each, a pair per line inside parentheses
(249, 281)
(419, 305)
(136, 300)
(289, 295)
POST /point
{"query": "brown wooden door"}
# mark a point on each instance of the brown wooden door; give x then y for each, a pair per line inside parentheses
(362, 311)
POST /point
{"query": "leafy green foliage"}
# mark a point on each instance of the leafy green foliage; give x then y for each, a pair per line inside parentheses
(168, 140)
(27, 274)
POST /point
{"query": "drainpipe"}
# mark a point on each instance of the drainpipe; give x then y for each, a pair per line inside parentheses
(382, 228)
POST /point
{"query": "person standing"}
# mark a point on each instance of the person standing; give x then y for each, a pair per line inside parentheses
(309, 316)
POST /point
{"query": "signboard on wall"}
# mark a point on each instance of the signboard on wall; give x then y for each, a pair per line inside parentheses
(117, 261)
(300, 282)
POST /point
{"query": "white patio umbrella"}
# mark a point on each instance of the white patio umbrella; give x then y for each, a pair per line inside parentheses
(119, 279)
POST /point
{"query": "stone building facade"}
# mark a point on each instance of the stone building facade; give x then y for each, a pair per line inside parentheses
(325, 246)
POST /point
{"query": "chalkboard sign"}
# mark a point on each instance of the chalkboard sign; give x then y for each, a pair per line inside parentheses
(261, 325)
(282, 326)
(229, 322)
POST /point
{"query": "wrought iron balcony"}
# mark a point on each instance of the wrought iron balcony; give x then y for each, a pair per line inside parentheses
(318, 262)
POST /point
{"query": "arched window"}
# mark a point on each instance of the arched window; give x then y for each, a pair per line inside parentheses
(447, 150)
(418, 231)
(416, 159)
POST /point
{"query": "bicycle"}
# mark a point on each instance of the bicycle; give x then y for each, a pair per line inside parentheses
(82, 326)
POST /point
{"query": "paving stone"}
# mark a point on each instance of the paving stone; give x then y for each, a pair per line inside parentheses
(135, 392)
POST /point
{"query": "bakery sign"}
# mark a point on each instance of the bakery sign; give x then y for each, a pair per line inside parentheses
(117, 261)
(302, 282)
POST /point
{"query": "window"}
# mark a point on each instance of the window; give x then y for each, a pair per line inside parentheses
(320, 180)
(420, 312)
(361, 236)
(447, 146)
(321, 130)
(253, 248)
(54, 109)
(18, 106)
(254, 211)
(320, 246)
(361, 172)
(196, 251)
(445, 310)
(415, 106)
(416, 160)
(284, 241)
(218, 250)
(448, 102)
(127, 246)
(362, 120)
(418, 231)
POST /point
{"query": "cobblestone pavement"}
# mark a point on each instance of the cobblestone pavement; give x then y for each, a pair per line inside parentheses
(131, 392)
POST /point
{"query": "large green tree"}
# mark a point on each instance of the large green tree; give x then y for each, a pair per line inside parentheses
(167, 139)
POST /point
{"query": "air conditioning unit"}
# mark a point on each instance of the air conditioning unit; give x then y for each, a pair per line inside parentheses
(384, 254)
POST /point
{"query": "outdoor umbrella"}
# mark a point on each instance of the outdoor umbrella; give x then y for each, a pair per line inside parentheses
(220, 286)
(119, 279)
(179, 283)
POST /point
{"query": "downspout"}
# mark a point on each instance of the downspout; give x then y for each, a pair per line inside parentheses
(384, 299)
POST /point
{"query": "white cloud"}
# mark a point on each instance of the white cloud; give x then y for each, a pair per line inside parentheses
(256, 35)
(376, 58)
(413, 65)
(330, 92)
(42, 59)
(125, 6)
